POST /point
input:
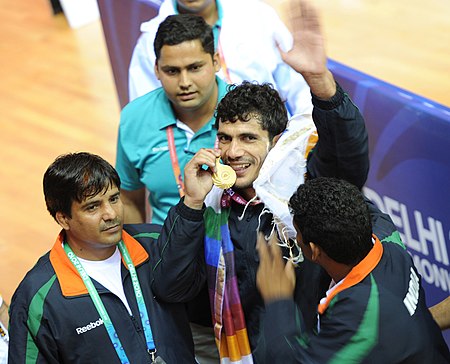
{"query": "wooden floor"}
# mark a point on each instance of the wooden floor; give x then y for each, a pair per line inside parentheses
(57, 95)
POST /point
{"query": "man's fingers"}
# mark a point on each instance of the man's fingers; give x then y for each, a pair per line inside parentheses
(289, 271)
(263, 251)
(205, 157)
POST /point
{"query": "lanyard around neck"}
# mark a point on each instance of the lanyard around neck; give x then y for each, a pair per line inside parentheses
(101, 307)
(174, 159)
(223, 64)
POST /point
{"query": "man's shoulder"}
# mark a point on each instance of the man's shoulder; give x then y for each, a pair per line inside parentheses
(154, 105)
(166, 9)
(239, 7)
(40, 278)
(144, 234)
(155, 98)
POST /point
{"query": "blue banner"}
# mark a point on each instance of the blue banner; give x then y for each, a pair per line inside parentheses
(409, 178)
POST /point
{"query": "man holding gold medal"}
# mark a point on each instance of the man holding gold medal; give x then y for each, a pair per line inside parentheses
(252, 125)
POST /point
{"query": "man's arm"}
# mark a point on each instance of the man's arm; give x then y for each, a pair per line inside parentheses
(441, 313)
(179, 272)
(132, 191)
(4, 316)
(285, 337)
(342, 150)
(29, 336)
(134, 206)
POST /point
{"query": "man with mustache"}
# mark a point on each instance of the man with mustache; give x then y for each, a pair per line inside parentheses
(89, 299)
(251, 123)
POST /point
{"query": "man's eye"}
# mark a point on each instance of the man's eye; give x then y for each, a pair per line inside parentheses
(114, 199)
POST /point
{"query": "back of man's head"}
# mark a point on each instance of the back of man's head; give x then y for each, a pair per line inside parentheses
(176, 29)
(332, 214)
(74, 177)
(249, 100)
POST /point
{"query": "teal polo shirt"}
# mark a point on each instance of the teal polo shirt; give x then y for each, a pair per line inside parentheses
(143, 158)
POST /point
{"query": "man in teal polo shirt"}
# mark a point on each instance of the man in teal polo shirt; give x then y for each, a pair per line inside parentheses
(247, 35)
(179, 114)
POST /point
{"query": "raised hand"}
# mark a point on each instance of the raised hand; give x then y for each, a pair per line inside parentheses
(198, 181)
(275, 278)
(308, 55)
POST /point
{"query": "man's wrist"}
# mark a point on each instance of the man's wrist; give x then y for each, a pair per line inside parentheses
(322, 86)
(193, 203)
(332, 102)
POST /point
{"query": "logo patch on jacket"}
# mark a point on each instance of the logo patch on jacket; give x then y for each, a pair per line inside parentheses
(89, 327)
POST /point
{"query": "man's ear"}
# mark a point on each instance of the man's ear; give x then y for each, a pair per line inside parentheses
(316, 252)
(216, 62)
(156, 69)
(275, 139)
(62, 220)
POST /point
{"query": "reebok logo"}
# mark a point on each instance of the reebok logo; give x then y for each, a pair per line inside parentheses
(88, 327)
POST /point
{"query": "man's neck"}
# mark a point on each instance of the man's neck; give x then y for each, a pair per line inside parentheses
(197, 118)
(93, 254)
(209, 14)
(246, 193)
(337, 271)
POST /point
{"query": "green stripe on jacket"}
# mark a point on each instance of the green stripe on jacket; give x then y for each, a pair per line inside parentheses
(35, 313)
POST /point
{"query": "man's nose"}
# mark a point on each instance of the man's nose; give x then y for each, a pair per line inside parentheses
(109, 212)
(234, 150)
(185, 80)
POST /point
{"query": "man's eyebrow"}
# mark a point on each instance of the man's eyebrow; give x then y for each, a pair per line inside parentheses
(248, 134)
(88, 203)
(169, 68)
(198, 63)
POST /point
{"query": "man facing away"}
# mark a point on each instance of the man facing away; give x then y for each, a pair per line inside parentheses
(89, 299)
(222, 248)
(246, 35)
(375, 311)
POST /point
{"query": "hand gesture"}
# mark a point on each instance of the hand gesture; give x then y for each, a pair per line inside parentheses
(307, 55)
(275, 279)
(198, 181)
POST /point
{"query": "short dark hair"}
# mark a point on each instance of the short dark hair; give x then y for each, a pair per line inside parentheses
(251, 99)
(333, 214)
(176, 29)
(75, 177)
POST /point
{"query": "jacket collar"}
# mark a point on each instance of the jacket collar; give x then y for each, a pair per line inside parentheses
(356, 275)
(69, 278)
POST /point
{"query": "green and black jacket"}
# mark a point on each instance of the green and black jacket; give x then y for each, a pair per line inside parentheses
(53, 319)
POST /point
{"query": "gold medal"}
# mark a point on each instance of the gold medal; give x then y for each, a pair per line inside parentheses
(225, 177)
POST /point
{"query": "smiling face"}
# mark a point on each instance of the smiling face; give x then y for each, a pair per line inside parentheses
(188, 76)
(95, 226)
(244, 147)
